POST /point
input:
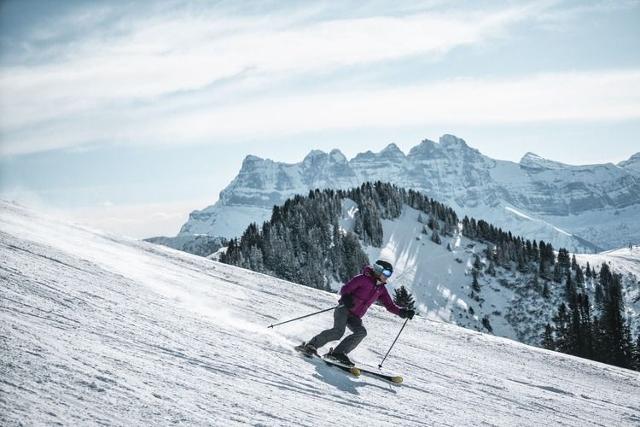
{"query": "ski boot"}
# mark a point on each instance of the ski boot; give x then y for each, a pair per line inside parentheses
(340, 358)
(307, 349)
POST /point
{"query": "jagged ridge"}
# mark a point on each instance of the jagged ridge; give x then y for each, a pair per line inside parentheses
(583, 208)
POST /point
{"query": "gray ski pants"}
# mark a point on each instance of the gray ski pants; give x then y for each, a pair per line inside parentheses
(341, 320)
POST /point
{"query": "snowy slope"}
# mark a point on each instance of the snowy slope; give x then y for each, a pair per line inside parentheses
(440, 280)
(625, 261)
(97, 329)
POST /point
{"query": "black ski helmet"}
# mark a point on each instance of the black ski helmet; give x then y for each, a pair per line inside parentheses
(384, 264)
(381, 266)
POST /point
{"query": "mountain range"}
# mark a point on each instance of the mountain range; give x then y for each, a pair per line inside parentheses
(585, 209)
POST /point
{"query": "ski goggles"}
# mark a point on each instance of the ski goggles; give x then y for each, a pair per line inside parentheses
(380, 270)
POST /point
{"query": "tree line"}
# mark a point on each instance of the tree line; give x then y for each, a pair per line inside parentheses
(598, 330)
(595, 330)
(304, 243)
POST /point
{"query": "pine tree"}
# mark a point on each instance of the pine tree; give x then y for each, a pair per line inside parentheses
(535, 252)
(547, 338)
(491, 270)
(600, 341)
(570, 289)
(557, 273)
(616, 338)
(599, 295)
(587, 349)
(433, 223)
(563, 259)
(354, 257)
(562, 321)
(403, 298)
(579, 278)
(535, 283)
(475, 285)
(487, 324)
(542, 269)
(255, 259)
(477, 264)
(575, 340)
(545, 290)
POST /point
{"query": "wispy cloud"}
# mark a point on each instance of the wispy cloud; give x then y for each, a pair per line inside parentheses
(99, 79)
(611, 96)
(205, 75)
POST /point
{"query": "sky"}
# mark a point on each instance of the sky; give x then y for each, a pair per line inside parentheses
(128, 115)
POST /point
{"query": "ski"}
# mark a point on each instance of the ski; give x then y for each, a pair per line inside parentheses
(396, 379)
(349, 369)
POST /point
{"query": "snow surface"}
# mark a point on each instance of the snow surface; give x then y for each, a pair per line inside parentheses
(98, 329)
(625, 260)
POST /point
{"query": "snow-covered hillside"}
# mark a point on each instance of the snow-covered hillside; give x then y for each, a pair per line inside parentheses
(440, 279)
(510, 303)
(97, 329)
(625, 261)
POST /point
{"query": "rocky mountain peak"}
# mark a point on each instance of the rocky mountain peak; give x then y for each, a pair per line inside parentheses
(336, 156)
(425, 149)
(534, 162)
(250, 162)
(632, 164)
(318, 158)
(393, 151)
(315, 157)
(448, 141)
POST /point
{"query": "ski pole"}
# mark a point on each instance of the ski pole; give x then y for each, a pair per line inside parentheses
(394, 343)
(303, 317)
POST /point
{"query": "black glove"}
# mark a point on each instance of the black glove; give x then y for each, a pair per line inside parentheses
(407, 313)
(347, 301)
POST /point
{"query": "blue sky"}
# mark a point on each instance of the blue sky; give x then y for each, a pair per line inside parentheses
(127, 115)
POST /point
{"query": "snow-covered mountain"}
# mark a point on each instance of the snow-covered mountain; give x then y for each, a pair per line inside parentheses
(581, 208)
(510, 302)
(98, 329)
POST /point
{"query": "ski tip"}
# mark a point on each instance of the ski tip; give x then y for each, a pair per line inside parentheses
(397, 380)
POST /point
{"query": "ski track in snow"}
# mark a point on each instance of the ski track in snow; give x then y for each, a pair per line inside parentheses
(101, 330)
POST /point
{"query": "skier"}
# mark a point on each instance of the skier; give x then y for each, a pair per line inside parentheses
(356, 297)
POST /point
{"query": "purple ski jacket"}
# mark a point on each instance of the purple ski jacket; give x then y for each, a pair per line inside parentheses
(366, 291)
